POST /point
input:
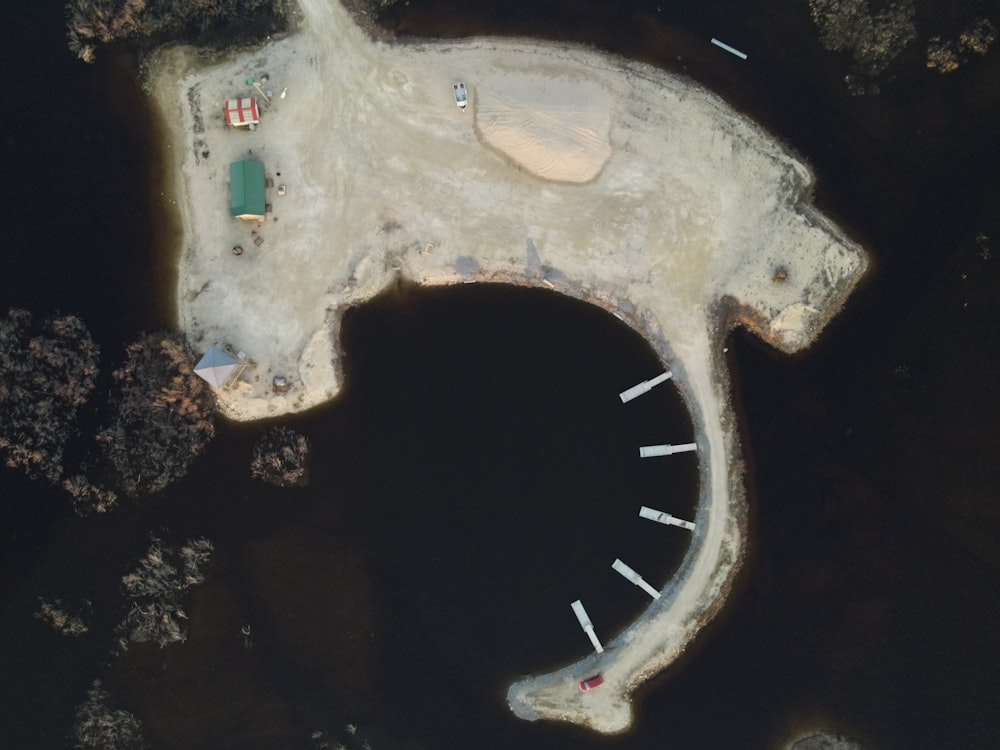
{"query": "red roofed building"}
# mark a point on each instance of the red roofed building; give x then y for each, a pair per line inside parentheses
(242, 112)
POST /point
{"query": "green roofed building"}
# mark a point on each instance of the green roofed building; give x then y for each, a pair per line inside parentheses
(246, 190)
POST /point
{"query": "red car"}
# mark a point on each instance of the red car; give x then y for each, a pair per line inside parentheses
(591, 682)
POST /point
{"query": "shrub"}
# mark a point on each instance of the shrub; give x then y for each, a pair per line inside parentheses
(100, 727)
(46, 374)
(155, 587)
(279, 458)
(56, 615)
(162, 416)
(89, 22)
(88, 497)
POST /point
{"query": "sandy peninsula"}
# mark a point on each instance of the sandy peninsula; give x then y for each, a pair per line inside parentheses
(574, 171)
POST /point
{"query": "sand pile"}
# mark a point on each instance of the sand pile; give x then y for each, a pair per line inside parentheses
(555, 127)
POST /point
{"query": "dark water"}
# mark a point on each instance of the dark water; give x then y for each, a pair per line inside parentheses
(477, 475)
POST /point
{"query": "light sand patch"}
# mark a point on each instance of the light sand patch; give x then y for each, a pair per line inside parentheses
(556, 128)
(634, 190)
(796, 317)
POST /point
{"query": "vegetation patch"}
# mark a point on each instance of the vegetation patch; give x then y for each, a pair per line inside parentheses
(947, 55)
(874, 38)
(99, 726)
(93, 22)
(155, 588)
(162, 416)
(279, 458)
(59, 617)
(47, 372)
(88, 497)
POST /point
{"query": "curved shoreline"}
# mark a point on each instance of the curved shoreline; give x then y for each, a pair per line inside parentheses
(695, 593)
(692, 205)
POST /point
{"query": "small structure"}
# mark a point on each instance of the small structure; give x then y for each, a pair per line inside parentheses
(665, 518)
(632, 576)
(246, 190)
(644, 387)
(218, 369)
(242, 113)
(588, 627)
(648, 451)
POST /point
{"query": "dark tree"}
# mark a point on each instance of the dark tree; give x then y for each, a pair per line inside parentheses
(90, 22)
(60, 617)
(46, 374)
(155, 588)
(279, 458)
(101, 727)
(88, 497)
(162, 416)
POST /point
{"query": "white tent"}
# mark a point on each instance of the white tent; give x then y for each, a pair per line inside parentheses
(217, 368)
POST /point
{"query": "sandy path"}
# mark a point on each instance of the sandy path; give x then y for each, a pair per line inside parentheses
(605, 180)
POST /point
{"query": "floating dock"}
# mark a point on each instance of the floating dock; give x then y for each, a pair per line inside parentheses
(644, 387)
(730, 50)
(665, 518)
(635, 578)
(648, 451)
(586, 624)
